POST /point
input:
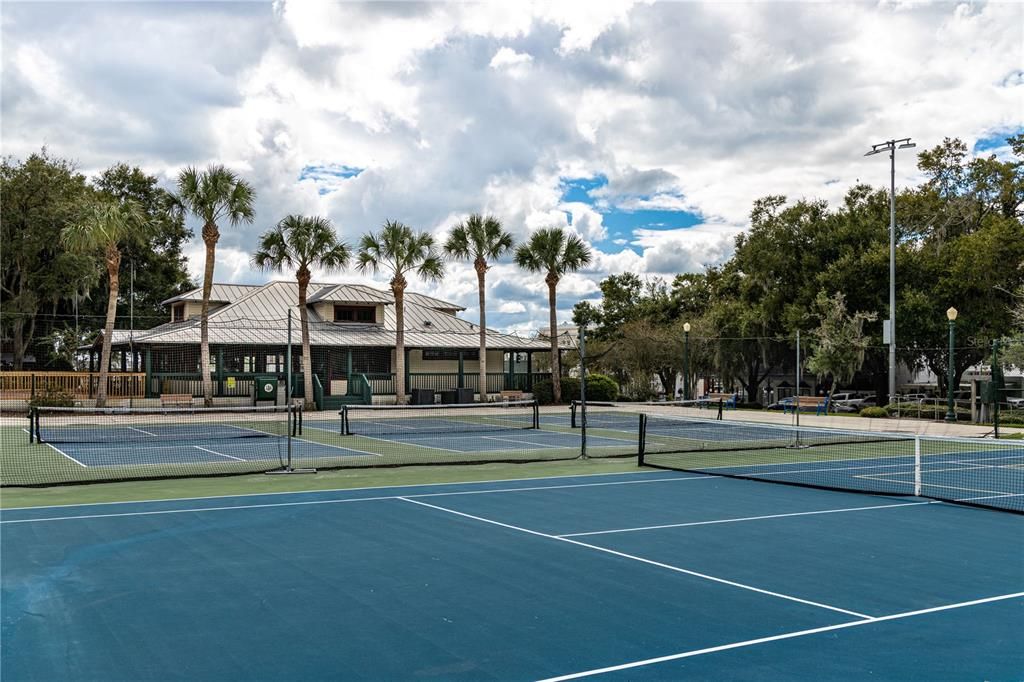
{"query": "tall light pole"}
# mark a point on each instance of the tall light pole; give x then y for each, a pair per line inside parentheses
(686, 361)
(891, 146)
(950, 405)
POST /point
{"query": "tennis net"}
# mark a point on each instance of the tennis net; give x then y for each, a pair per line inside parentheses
(399, 420)
(981, 472)
(58, 425)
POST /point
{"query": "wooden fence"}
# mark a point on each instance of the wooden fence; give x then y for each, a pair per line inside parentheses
(24, 385)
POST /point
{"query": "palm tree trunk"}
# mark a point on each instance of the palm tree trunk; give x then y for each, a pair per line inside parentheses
(481, 274)
(303, 276)
(113, 258)
(556, 371)
(210, 237)
(398, 289)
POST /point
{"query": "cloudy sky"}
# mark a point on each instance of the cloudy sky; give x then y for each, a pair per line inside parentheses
(647, 128)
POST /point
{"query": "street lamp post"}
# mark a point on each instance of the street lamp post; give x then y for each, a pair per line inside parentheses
(951, 377)
(686, 361)
(891, 146)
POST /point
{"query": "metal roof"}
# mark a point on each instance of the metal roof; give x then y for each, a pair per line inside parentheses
(260, 317)
(219, 293)
(350, 293)
(430, 301)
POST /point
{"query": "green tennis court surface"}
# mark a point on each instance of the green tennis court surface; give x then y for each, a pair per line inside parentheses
(651, 575)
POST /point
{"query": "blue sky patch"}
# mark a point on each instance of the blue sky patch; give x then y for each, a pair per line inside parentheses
(622, 222)
(994, 140)
(328, 176)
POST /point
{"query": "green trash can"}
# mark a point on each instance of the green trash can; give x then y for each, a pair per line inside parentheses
(266, 388)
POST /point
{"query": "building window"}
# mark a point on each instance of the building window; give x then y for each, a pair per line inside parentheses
(450, 354)
(178, 312)
(354, 313)
(371, 360)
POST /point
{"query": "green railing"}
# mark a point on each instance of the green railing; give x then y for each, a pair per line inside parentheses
(242, 384)
(318, 392)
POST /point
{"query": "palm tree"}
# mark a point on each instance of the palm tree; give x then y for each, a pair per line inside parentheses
(550, 250)
(213, 195)
(479, 239)
(400, 251)
(302, 243)
(104, 227)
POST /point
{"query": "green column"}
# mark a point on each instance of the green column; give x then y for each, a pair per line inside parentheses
(149, 373)
(348, 363)
(510, 377)
(407, 391)
(462, 379)
(529, 370)
(220, 370)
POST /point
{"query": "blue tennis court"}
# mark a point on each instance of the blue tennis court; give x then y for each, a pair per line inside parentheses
(166, 450)
(650, 575)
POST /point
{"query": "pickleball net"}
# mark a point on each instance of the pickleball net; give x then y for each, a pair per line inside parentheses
(977, 471)
(377, 421)
(118, 425)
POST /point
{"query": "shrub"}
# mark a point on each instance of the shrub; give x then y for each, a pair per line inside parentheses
(874, 412)
(601, 387)
(571, 389)
(52, 395)
(543, 392)
(1011, 417)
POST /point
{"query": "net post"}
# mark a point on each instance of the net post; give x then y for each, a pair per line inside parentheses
(536, 414)
(641, 440)
(917, 465)
(289, 425)
(345, 431)
(721, 406)
(39, 433)
(31, 425)
(572, 414)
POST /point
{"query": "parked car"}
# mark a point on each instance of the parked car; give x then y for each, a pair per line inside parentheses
(1016, 403)
(852, 402)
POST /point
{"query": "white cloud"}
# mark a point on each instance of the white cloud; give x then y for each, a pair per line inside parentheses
(459, 107)
(516, 64)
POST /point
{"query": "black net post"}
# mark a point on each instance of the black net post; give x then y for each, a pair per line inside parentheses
(583, 392)
(641, 441)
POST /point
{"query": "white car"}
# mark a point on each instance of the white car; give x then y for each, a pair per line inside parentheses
(1016, 403)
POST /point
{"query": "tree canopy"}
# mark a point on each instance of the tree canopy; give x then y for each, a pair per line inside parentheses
(960, 242)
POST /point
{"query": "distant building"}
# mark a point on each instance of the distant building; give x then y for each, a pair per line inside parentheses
(352, 332)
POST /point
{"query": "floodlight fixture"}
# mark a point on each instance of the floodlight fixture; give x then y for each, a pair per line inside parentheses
(891, 146)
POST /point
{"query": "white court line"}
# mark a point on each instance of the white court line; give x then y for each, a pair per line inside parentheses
(650, 562)
(543, 446)
(346, 490)
(988, 497)
(776, 638)
(59, 451)
(884, 479)
(338, 447)
(148, 433)
(345, 501)
(393, 443)
(745, 518)
(214, 452)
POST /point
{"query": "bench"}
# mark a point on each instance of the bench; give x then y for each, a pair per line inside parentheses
(728, 400)
(511, 395)
(819, 403)
(175, 400)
